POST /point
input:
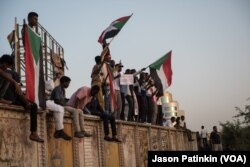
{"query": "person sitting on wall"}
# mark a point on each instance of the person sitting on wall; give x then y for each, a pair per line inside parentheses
(58, 96)
(6, 61)
(13, 94)
(10, 93)
(184, 127)
(85, 95)
(58, 110)
(178, 121)
(169, 122)
(95, 109)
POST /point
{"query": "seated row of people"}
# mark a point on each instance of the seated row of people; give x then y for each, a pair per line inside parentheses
(178, 123)
(10, 93)
(78, 101)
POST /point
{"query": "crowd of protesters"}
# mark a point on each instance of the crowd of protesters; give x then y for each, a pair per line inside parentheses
(109, 93)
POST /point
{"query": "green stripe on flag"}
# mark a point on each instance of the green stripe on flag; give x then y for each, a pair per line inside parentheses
(35, 44)
(157, 64)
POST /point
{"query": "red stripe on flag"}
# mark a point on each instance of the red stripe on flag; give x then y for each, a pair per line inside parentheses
(101, 37)
(112, 91)
(29, 68)
(122, 19)
(167, 69)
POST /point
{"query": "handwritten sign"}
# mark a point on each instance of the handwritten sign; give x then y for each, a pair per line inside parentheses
(127, 79)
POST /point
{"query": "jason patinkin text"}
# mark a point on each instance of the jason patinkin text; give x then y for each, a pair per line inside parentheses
(206, 158)
(185, 158)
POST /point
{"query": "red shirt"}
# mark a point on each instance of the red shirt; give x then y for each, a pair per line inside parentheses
(83, 96)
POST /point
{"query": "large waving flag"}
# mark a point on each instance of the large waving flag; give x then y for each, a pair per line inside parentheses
(35, 85)
(113, 29)
(161, 72)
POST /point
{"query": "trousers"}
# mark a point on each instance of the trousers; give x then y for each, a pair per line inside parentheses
(58, 113)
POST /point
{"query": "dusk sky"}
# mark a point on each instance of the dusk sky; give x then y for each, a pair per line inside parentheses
(209, 39)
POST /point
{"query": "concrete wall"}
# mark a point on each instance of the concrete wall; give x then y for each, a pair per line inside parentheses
(18, 150)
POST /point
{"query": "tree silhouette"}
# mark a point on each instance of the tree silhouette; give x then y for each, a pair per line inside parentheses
(236, 134)
(245, 114)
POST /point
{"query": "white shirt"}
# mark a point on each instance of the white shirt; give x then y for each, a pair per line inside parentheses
(169, 123)
(49, 85)
(203, 133)
(125, 89)
(116, 81)
(182, 123)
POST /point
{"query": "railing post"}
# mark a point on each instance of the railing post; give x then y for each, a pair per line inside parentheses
(45, 56)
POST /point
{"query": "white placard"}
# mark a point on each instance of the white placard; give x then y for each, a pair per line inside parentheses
(127, 79)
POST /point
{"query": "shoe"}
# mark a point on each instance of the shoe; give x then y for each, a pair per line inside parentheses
(36, 138)
(122, 117)
(5, 101)
(61, 134)
(86, 134)
(115, 139)
(79, 134)
(107, 138)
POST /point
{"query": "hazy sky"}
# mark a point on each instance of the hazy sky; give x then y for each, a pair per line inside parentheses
(210, 43)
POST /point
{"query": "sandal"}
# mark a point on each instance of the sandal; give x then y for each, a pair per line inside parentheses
(36, 138)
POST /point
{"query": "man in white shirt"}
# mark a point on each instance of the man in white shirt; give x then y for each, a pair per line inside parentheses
(184, 127)
(169, 122)
(203, 135)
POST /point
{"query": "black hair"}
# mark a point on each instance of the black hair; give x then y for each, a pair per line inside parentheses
(127, 71)
(7, 59)
(64, 79)
(95, 87)
(98, 59)
(31, 14)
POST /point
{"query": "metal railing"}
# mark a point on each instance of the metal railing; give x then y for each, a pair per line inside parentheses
(52, 52)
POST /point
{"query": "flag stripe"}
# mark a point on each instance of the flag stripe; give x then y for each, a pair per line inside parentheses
(35, 86)
(112, 90)
(113, 29)
(109, 34)
(161, 72)
(167, 69)
(157, 79)
(35, 43)
(29, 68)
(123, 19)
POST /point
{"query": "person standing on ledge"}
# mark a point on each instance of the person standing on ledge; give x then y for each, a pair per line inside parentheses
(215, 140)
